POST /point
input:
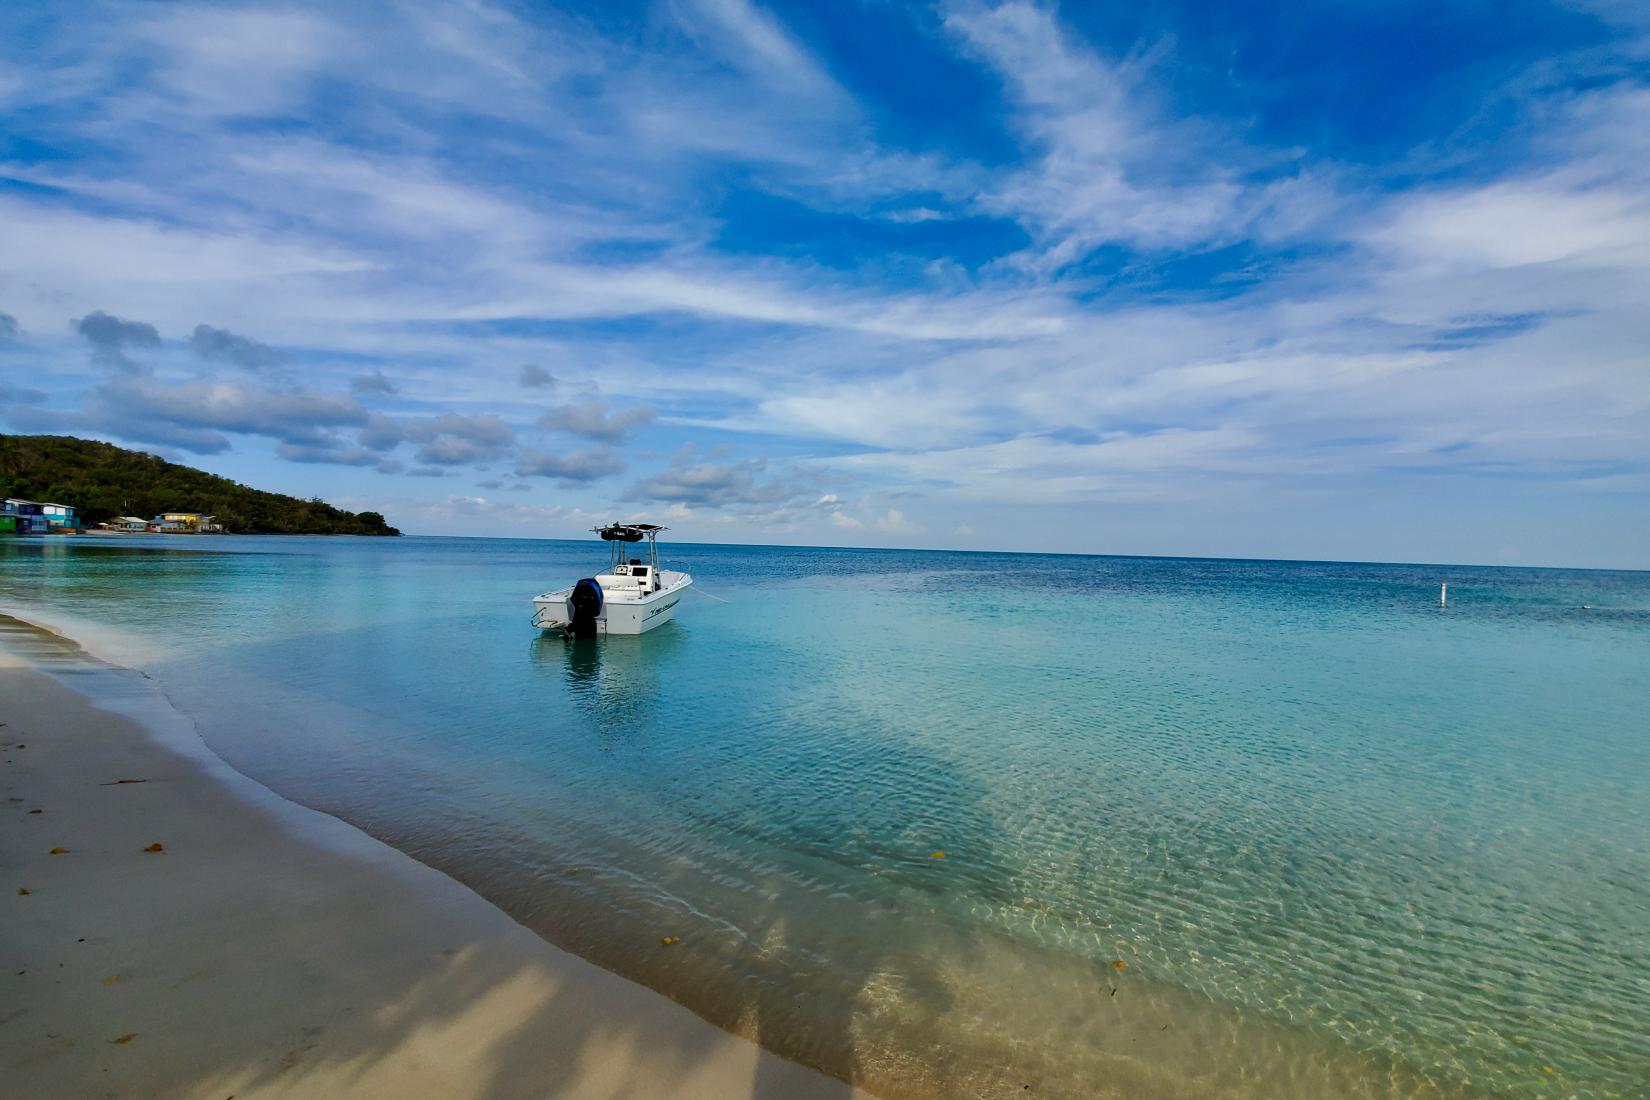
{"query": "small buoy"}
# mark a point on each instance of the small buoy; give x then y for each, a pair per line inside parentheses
(60, 851)
(668, 940)
(937, 855)
(155, 848)
(1120, 965)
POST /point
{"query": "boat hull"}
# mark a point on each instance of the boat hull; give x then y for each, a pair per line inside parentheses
(619, 615)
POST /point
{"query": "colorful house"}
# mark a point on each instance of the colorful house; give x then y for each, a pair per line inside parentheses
(60, 517)
(27, 517)
(183, 523)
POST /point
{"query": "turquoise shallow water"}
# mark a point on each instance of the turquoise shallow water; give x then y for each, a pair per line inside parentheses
(1346, 842)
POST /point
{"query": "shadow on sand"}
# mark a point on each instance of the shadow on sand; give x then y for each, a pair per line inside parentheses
(277, 952)
(268, 952)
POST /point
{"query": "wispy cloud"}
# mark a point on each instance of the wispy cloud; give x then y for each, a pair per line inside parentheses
(1107, 164)
(1041, 261)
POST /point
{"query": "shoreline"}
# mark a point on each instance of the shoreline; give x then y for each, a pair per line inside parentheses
(272, 950)
(1134, 1052)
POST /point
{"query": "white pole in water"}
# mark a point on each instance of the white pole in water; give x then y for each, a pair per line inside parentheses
(1443, 595)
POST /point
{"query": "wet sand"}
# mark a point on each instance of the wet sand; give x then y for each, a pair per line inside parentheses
(268, 950)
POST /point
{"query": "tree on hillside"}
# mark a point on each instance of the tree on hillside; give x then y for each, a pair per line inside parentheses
(101, 481)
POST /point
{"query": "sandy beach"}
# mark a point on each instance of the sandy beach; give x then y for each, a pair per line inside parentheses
(171, 928)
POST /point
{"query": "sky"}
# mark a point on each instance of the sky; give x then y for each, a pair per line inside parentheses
(1358, 281)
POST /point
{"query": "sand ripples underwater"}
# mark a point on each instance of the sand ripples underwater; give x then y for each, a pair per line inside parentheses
(907, 812)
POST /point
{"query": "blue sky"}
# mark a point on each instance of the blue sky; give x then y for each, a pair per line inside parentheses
(1353, 280)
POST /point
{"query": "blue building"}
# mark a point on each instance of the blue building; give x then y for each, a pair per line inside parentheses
(28, 517)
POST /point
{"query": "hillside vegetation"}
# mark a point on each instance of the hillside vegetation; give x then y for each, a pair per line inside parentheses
(102, 481)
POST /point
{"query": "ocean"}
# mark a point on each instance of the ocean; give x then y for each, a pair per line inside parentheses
(959, 824)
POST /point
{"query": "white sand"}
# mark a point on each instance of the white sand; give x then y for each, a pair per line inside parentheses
(273, 951)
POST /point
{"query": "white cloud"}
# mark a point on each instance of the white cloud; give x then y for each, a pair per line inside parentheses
(1107, 164)
(245, 61)
(754, 41)
(893, 522)
(1541, 221)
(1486, 319)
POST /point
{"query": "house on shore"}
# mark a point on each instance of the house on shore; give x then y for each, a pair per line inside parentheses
(29, 517)
(184, 523)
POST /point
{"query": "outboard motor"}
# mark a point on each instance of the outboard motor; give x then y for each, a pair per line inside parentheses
(585, 604)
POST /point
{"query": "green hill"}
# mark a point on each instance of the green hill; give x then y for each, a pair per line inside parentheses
(102, 481)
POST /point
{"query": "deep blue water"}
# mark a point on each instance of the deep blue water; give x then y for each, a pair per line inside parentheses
(1347, 842)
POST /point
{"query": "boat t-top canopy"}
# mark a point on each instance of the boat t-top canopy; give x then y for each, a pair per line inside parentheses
(628, 532)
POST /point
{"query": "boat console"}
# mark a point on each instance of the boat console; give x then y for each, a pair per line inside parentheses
(634, 574)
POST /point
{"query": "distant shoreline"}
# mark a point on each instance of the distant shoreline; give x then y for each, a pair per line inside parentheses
(202, 534)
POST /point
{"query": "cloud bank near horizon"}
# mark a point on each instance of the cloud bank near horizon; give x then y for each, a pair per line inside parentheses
(1318, 284)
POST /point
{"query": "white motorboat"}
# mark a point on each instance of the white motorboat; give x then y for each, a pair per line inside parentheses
(632, 597)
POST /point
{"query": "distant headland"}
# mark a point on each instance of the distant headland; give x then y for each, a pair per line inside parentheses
(103, 484)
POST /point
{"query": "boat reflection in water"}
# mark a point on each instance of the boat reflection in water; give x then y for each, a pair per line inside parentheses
(615, 681)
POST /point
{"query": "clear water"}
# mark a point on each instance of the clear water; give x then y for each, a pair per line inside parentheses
(1348, 843)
